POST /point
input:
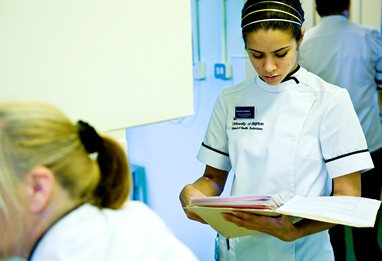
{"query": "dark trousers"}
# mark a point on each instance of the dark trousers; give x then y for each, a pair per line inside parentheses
(365, 240)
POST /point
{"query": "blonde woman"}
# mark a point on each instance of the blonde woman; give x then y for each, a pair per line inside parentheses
(57, 203)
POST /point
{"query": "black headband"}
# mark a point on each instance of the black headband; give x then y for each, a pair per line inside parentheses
(253, 13)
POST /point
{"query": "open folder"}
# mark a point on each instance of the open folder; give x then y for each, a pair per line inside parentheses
(345, 210)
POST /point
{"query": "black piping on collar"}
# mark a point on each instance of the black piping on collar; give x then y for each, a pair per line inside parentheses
(290, 77)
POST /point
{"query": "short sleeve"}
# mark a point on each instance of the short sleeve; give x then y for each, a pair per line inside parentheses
(342, 140)
(214, 149)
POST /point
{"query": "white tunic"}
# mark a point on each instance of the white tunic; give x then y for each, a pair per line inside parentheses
(349, 55)
(133, 233)
(290, 138)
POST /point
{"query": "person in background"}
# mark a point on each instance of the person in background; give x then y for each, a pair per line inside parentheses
(64, 192)
(350, 55)
(380, 101)
(285, 131)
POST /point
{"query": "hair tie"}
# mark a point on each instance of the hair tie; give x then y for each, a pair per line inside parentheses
(89, 137)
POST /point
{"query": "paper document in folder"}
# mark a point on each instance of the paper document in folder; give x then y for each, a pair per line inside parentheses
(346, 210)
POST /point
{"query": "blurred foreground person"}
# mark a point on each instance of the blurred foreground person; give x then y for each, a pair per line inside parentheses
(59, 203)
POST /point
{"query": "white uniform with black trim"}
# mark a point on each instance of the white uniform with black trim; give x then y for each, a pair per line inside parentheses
(293, 137)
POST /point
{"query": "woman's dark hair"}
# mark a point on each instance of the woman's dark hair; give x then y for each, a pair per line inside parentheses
(331, 7)
(285, 15)
(114, 187)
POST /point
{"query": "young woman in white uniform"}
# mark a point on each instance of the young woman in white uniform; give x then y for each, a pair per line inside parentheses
(286, 131)
(58, 203)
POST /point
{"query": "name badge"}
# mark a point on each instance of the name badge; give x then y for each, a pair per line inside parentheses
(245, 112)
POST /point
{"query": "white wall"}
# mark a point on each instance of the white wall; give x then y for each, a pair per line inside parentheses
(114, 63)
(310, 11)
(370, 13)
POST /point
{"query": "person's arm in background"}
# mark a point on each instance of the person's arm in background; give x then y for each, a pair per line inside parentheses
(379, 89)
(210, 184)
(376, 45)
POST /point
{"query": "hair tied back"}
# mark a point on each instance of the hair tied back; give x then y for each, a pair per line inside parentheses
(89, 137)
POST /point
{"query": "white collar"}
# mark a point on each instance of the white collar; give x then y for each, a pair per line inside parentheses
(292, 77)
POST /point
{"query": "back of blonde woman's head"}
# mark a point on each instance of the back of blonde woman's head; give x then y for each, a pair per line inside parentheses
(34, 133)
